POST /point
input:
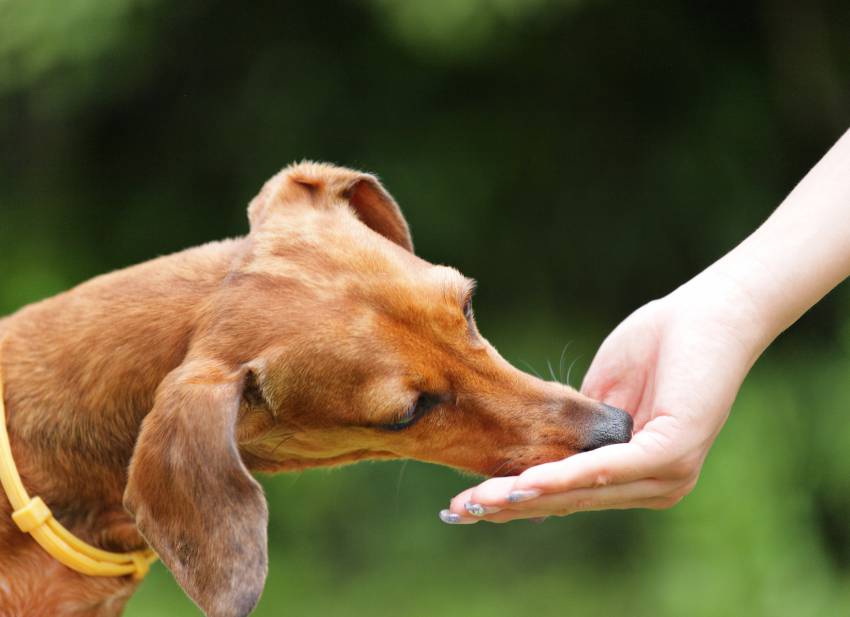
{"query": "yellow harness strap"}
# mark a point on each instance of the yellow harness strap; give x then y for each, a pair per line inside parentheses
(34, 517)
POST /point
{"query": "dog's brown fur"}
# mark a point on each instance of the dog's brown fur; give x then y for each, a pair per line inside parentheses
(158, 387)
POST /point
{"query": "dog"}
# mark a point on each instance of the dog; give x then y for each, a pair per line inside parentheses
(140, 402)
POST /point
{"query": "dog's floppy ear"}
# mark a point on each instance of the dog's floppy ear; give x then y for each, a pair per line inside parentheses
(193, 499)
(326, 185)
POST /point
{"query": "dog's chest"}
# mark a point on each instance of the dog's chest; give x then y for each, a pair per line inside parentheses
(33, 584)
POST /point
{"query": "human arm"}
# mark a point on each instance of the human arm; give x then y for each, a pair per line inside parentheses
(677, 363)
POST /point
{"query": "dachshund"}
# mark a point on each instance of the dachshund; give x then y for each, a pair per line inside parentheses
(140, 402)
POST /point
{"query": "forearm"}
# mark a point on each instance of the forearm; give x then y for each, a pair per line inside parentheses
(797, 256)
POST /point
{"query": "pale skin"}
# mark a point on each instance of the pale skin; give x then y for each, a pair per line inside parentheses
(677, 363)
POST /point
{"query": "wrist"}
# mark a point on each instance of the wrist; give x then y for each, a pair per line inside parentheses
(730, 297)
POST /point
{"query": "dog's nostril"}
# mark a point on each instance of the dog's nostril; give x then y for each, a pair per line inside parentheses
(610, 425)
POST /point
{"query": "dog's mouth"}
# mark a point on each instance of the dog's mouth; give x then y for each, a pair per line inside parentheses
(611, 426)
(511, 467)
(259, 463)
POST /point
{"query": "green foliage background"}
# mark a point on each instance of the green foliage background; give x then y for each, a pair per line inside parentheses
(577, 157)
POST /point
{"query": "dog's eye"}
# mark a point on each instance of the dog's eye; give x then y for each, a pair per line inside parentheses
(471, 328)
(424, 403)
(467, 305)
(467, 310)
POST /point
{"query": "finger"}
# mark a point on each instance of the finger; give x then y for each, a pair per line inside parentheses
(505, 516)
(613, 384)
(578, 500)
(625, 396)
(453, 518)
(492, 493)
(615, 464)
(604, 498)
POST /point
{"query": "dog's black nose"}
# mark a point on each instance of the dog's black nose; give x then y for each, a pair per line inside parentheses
(610, 426)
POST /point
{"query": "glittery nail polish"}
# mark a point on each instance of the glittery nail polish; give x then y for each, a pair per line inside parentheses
(523, 495)
(449, 517)
(476, 509)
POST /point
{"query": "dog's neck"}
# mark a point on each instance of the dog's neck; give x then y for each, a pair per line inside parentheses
(81, 371)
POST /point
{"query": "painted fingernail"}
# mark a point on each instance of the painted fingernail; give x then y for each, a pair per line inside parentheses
(449, 517)
(523, 495)
(476, 509)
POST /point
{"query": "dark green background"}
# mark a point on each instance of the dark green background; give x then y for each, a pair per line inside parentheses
(578, 158)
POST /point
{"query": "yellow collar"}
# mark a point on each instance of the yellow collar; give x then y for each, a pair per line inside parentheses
(34, 517)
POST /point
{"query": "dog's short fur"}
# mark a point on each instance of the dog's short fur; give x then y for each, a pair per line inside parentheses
(139, 401)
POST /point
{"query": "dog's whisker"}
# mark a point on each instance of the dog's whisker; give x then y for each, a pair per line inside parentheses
(499, 467)
(283, 440)
(552, 372)
(532, 369)
(561, 360)
(570, 370)
(398, 483)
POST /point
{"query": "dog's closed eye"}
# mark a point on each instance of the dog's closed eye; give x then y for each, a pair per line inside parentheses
(469, 292)
(424, 403)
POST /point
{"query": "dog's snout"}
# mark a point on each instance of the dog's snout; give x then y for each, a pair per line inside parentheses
(610, 425)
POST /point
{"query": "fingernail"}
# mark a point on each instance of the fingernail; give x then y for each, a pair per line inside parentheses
(476, 509)
(523, 495)
(449, 517)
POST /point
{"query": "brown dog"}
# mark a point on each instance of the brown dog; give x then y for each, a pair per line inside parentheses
(318, 339)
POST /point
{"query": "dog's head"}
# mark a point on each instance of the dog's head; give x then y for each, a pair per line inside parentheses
(329, 342)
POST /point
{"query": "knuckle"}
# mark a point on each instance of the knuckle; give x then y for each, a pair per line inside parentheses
(584, 504)
(674, 497)
(684, 490)
(602, 478)
(683, 469)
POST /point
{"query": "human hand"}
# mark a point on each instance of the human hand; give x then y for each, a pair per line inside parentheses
(676, 365)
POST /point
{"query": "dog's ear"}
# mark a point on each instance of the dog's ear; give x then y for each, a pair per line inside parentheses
(325, 186)
(191, 495)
